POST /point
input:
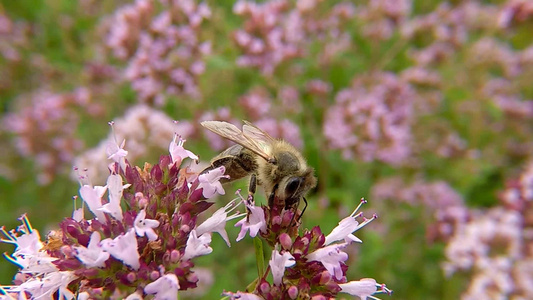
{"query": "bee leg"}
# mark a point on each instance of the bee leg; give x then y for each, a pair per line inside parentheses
(251, 187)
(272, 196)
(303, 210)
(296, 210)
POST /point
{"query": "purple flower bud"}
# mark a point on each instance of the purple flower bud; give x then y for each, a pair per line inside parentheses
(292, 292)
(154, 275)
(175, 256)
(325, 277)
(264, 287)
(286, 241)
(131, 277)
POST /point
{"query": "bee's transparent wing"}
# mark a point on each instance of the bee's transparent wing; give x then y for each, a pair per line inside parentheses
(260, 138)
(255, 140)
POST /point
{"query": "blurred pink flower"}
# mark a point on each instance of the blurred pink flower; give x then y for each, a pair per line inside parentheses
(372, 119)
(45, 129)
(164, 51)
(275, 32)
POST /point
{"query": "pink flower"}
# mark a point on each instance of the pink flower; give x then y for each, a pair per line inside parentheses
(344, 231)
(145, 226)
(124, 248)
(115, 189)
(254, 221)
(94, 255)
(217, 222)
(347, 226)
(197, 245)
(177, 152)
(242, 296)
(362, 288)
(93, 198)
(278, 262)
(116, 152)
(331, 257)
(210, 182)
(164, 288)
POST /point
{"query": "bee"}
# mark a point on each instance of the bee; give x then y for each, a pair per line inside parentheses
(271, 163)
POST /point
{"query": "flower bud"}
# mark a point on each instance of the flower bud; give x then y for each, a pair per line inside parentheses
(154, 275)
(264, 287)
(293, 292)
(325, 277)
(131, 277)
(174, 256)
(286, 241)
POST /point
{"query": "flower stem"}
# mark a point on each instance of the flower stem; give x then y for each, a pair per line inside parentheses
(259, 256)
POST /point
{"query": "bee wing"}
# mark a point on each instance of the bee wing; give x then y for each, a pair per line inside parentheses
(252, 138)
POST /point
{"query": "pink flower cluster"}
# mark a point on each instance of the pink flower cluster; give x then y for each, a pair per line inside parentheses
(14, 35)
(145, 249)
(265, 112)
(371, 120)
(494, 245)
(440, 201)
(164, 51)
(309, 265)
(515, 11)
(146, 130)
(446, 29)
(381, 18)
(147, 246)
(278, 31)
(45, 128)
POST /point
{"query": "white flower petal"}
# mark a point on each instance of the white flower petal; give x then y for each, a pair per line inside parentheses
(164, 288)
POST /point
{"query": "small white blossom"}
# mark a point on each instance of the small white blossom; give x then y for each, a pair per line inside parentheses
(124, 248)
(210, 182)
(362, 288)
(331, 257)
(93, 255)
(78, 214)
(135, 296)
(84, 296)
(164, 288)
(116, 152)
(93, 197)
(347, 226)
(28, 255)
(45, 287)
(27, 243)
(177, 152)
(242, 296)
(344, 231)
(38, 263)
(145, 226)
(197, 246)
(254, 221)
(278, 262)
(115, 190)
(217, 222)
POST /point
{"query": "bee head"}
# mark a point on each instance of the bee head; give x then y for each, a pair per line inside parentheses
(295, 187)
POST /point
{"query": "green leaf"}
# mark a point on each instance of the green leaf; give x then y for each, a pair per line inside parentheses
(260, 258)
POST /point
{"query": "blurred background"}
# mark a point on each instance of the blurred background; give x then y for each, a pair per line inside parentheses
(425, 108)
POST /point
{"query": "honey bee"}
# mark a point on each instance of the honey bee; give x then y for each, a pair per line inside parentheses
(271, 163)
